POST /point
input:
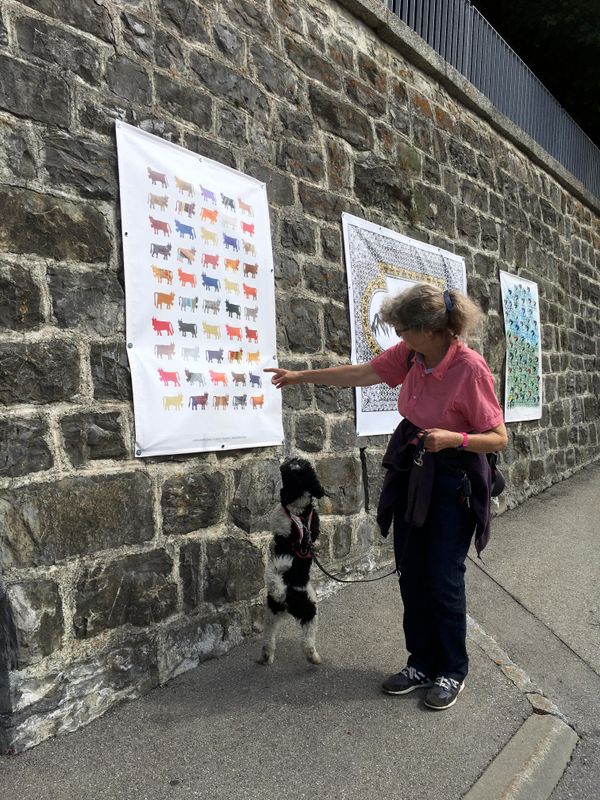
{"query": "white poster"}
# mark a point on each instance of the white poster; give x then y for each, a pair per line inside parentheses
(523, 383)
(200, 300)
(380, 263)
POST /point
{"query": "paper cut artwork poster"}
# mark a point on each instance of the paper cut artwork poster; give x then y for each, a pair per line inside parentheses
(523, 384)
(200, 300)
(379, 263)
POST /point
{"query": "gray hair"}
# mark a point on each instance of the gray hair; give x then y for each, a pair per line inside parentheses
(423, 308)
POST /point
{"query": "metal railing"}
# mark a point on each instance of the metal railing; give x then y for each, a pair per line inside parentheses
(465, 39)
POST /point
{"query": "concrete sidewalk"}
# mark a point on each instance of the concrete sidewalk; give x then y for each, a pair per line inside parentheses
(233, 729)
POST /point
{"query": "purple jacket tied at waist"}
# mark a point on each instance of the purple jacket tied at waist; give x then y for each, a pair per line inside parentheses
(402, 472)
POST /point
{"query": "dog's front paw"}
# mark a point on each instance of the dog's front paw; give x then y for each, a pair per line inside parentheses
(314, 657)
(266, 658)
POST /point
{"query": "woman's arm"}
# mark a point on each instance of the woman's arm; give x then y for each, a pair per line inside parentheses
(348, 375)
(486, 442)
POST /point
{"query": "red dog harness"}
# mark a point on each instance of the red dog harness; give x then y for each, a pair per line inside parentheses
(302, 524)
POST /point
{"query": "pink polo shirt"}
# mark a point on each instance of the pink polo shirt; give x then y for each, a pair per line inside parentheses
(456, 395)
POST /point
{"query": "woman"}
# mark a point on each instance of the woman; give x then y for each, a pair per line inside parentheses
(438, 480)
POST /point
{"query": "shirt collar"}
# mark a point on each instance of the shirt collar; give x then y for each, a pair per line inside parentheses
(440, 369)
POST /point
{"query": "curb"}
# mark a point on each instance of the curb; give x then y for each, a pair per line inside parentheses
(530, 764)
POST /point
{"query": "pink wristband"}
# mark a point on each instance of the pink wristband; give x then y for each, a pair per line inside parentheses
(465, 440)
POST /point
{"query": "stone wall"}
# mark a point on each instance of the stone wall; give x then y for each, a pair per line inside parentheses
(121, 572)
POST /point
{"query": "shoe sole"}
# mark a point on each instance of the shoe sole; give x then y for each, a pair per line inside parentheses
(443, 708)
(407, 691)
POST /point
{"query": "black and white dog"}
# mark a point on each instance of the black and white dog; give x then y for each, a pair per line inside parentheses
(295, 527)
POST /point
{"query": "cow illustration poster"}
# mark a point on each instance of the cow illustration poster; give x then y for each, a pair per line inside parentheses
(200, 300)
(523, 384)
(379, 263)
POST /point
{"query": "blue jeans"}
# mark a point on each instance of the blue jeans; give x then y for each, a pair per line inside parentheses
(431, 563)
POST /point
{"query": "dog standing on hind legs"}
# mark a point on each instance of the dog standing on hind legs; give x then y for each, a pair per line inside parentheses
(295, 527)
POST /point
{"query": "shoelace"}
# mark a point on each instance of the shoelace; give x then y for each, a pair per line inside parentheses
(413, 674)
(446, 683)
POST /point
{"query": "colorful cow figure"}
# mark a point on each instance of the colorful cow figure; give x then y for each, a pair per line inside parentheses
(166, 350)
(210, 260)
(195, 377)
(211, 283)
(169, 377)
(157, 177)
(198, 400)
(227, 202)
(209, 237)
(214, 355)
(173, 401)
(250, 313)
(232, 264)
(251, 335)
(250, 270)
(161, 326)
(158, 201)
(249, 248)
(185, 208)
(188, 303)
(249, 292)
(233, 310)
(191, 353)
(183, 254)
(186, 278)
(208, 196)
(254, 358)
(232, 286)
(230, 242)
(239, 401)
(258, 402)
(209, 215)
(211, 331)
(163, 250)
(236, 356)
(187, 327)
(248, 227)
(255, 380)
(245, 208)
(217, 378)
(184, 186)
(184, 230)
(221, 402)
(214, 306)
(162, 275)
(161, 299)
(239, 378)
(160, 226)
(229, 222)
(233, 333)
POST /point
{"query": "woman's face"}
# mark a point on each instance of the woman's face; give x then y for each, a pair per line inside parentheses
(420, 341)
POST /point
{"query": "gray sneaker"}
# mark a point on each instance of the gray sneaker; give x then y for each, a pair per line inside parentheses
(405, 681)
(444, 693)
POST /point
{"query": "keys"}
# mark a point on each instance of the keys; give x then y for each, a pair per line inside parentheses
(465, 487)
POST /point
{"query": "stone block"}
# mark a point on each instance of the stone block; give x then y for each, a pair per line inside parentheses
(94, 19)
(365, 97)
(288, 15)
(73, 54)
(302, 327)
(129, 80)
(341, 539)
(340, 53)
(38, 372)
(134, 590)
(337, 329)
(342, 435)
(297, 123)
(83, 164)
(341, 477)
(489, 234)
(256, 495)
(183, 102)
(275, 75)
(341, 118)
(3, 31)
(310, 432)
(383, 185)
(92, 435)
(325, 205)
(312, 64)
(331, 244)
(287, 271)
(280, 189)
(467, 225)
(339, 166)
(191, 567)
(325, 280)
(304, 162)
(37, 612)
(332, 400)
(32, 92)
(110, 371)
(193, 501)
(433, 209)
(232, 126)
(251, 17)
(230, 43)
(168, 51)
(138, 34)
(20, 299)
(207, 147)
(373, 475)
(224, 82)
(44, 523)
(234, 570)
(52, 227)
(189, 19)
(91, 301)
(18, 157)
(23, 448)
(372, 71)
(298, 235)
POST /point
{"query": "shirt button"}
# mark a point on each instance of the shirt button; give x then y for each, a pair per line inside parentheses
(414, 396)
